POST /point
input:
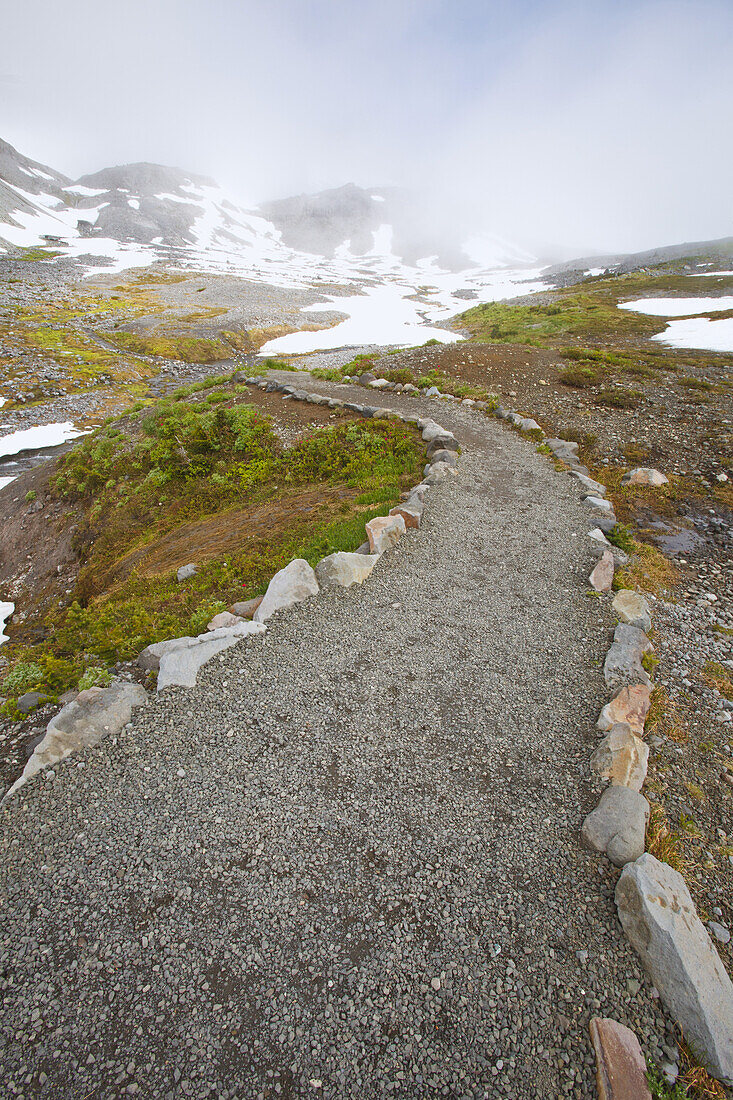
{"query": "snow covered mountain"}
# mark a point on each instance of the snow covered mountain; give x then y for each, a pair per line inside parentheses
(135, 214)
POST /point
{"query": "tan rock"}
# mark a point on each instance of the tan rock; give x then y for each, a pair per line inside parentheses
(620, 1065)
(383, 532)
(621, 757)
(411, 511)
(644, 475)
(602, 576)
(247, 608)
(344, 569)
(632, 608)
(224, 618)
(629, 706)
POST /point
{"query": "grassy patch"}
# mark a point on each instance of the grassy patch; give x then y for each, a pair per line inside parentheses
(195, 480)
(189, 349)
(716, 676)
(665, 717)
(445, 382)
(663, 842)
(648, 570)
(34, 255)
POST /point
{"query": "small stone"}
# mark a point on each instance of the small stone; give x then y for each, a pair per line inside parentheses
(247, 608)
(601, 578)
(719, 931)
(435, 983)
(186, 571)
(632, 608)
(224, 618)
(620, 1064)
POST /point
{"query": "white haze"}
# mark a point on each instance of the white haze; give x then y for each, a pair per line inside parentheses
(570, 128)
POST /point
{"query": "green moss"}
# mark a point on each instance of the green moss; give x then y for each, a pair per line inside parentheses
(189, 349)
(34, 255)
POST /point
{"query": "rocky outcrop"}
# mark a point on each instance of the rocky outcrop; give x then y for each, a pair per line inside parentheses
(659, 918)
(94, 714)
(617, 826)
(293, 584)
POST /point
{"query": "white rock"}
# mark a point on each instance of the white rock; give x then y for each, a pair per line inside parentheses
(183, 658)
(599, 503)
(94, 714)
(224, 618)
(293, 584)
(186, 571)
(632, 608)
(588, 483)
(431, 431)
(644, 475)
(660, 920)
(383, 532)
(345, 569)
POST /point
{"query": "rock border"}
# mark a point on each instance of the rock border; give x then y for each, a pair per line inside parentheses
(93, 715)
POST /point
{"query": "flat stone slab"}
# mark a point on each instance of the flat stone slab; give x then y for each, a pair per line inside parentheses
(623, 660)
(183, 657)
(617, 826)
(600, 504)
(620, 1064)
(633, 609)
(629, 706)
(622, 757)
(343, 569)
(94, 714)
(660, 920)
(588, 483)
(291, 585)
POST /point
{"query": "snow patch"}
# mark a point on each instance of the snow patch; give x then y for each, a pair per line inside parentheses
(700, 333)
(88, 192)
(6, 610)
(38, 438)
(677, 307)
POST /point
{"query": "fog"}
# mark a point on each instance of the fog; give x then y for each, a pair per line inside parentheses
(567, 127)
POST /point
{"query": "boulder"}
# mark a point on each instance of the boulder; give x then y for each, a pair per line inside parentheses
(224, 618)
(411, 511)
(186, 571)
(247, 608)
(151, 656)
(29, 700)
(377, 383)
(620, 1064)
(644, 475)
(431, 430)
(599, 503)
(623, 660)
(95, 713)
(345, 569)
(660, 921)
(446, 442)
(621, 757)
(438, 472)
(291, 585)
(527, 424)
(617, 826)
(183, 657)
(605, 522)
(383, 532)
(442, 455)
(629, 706)
(633, 609)
(588, 483)
(601, 578)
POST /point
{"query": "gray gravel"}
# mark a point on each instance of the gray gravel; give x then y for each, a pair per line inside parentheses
(348, 864)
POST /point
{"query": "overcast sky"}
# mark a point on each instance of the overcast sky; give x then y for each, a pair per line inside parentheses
(595, 124)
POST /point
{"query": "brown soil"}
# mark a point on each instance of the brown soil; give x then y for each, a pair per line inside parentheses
(215, 536)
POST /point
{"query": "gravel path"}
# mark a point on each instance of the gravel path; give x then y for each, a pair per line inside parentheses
(348, 864)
